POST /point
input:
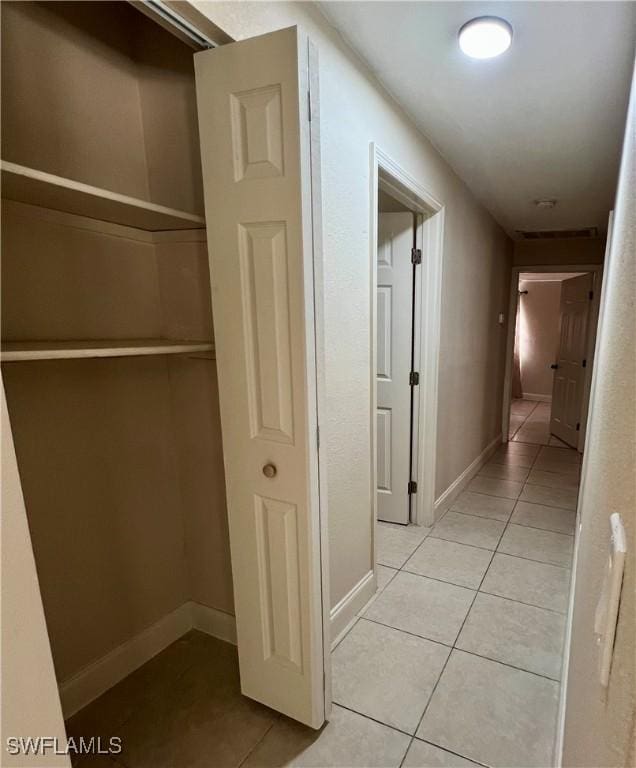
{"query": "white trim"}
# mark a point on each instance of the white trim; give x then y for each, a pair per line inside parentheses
(597, 276)
(537, 398)
(96, 678)
(417, 198)
(458, 485)
(89, 683)
(345, 612)
(214, 622)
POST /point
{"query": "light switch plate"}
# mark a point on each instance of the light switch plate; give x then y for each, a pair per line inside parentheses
(609, 601)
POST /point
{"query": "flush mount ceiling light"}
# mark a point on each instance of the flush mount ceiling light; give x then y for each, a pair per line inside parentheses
(545, 203)
(485, 37)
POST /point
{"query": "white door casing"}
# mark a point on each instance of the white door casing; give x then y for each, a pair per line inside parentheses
(255, 139)
(394, 307)
(569, 376)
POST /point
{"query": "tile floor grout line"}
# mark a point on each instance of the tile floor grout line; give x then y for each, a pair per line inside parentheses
(373, 719)
(547, 530)
(442, 581)
(515, 522)
(260, 741)
(406, 632)
(497, 551)
(523, 423)
(532, 559)
(450, 751)
(478, 591)
(430, 698)
(506, 663)
(482, 591)
(523, 602)
(361, 615)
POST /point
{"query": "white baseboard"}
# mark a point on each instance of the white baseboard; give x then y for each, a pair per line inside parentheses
(457, 486)
(89, 683)
(214, 622)
(344, 613)
(537, 398)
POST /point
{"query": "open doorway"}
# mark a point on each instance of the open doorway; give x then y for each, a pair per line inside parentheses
(397, 361)
(551, 355)
(406, 249)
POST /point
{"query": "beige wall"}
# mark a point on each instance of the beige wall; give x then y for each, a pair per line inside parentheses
(30, 703)
(599, 728)
(555, 252)
(354, 112)
(538, 334)
(120, 459)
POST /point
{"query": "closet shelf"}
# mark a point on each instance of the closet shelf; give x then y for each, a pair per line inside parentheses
(27, 185)
(18, 351)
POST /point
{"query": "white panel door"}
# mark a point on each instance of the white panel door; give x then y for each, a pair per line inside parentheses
(395, 286)
(569, 376)
(255, 140)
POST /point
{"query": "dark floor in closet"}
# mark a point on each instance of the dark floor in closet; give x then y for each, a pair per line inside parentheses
(181, 709)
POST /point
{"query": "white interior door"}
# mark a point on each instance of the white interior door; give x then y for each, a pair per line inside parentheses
(569, 376)
(255, 139)
(394, 319)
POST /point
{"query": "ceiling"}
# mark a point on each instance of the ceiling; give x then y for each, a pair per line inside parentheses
(544, 120)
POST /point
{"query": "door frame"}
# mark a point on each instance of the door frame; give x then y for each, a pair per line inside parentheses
(430, 238)
(597, 281)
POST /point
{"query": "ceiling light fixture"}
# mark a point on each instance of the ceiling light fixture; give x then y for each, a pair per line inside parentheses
(485, 37)
(545, 203)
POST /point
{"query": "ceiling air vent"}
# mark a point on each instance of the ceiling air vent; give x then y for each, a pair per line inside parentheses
(557, 234)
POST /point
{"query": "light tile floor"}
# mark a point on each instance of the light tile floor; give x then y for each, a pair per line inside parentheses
(489, 584)
(455, 662)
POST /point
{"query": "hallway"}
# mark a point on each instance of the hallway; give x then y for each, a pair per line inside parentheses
(455, 662)
(462, 648)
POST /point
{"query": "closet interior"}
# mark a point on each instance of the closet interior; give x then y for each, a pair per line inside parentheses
(107, 339)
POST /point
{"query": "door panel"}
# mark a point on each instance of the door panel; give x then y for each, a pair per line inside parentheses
(255, 141)
(395, 240)
(569, 377)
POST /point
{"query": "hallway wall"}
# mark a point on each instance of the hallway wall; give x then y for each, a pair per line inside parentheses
(599, 730)
(354, 111)
(538, 335)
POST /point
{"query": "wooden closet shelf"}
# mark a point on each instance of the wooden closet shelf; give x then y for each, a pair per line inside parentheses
(27, 185)
(18, 351)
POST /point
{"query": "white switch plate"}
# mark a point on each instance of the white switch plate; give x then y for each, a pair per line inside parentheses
(609, 601)
(501, 318)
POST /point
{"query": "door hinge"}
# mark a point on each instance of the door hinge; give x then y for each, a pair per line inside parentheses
(584, 364)
(416, 255)
(591, 295)
(578, 426)
(412, 487)
(309, 105)
(318, 437)
(414, 378)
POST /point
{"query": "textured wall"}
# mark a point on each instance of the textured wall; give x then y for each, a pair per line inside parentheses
(598, 732)
(354, 112)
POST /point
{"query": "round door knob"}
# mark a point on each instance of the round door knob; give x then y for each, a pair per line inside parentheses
(269, 470)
